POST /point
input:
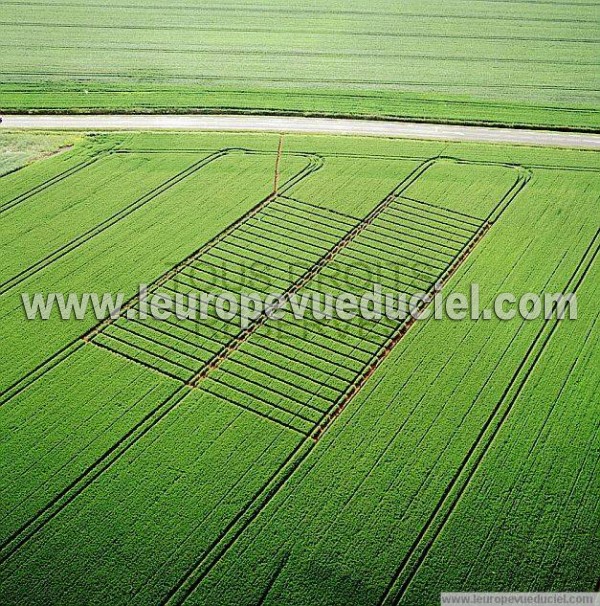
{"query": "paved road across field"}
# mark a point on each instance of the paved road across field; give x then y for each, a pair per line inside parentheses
(329, 126)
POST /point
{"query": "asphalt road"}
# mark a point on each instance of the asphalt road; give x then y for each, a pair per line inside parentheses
(329, 126)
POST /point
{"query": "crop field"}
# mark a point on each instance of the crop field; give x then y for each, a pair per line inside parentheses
(296, 461)
(514, 62)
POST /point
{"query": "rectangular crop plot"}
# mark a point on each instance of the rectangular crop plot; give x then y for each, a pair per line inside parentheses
(404, 245)
(267, 253)
(328, 357)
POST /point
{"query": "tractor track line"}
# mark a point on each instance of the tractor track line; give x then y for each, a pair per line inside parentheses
(51, 181)
(115, 218)
(86, 236)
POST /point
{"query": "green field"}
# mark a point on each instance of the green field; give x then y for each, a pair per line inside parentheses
(297, 462)
(513, 62)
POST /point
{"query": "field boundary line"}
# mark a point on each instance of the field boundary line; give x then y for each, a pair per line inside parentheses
(180, 592)
(405, 573)
(278, 379)
(313, 165)
(477, 220)
(522, 180)
(262, 415)
(303, 447)
(123, 355)
(273, 578)
(123, 213)
(40, 370)
(566, 167)
(352, 413)
(275, 407)
(86, 236)
(20, 537)
(447, 363)
(321, 208)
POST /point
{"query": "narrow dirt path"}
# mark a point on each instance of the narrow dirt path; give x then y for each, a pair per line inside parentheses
(330, 126)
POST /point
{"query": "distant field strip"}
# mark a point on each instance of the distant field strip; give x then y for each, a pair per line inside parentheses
(411, 61)
(264, 30)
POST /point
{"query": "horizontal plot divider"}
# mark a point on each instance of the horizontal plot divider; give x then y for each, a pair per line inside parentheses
(432, 231)
(146, 351)
(264, 218)
(284, 238)
(159, 343)
(278, 327)
(349, 220)
(289, 210)
(261, 244)
(426, 238)
(122, 354)
(245, 352)
(379, 251)
(411, 210)
(234, 360)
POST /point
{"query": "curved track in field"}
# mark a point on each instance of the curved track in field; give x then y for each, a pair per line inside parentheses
(302, 125)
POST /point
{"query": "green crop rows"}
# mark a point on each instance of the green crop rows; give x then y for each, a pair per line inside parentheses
(313, 461)
(491, 61)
